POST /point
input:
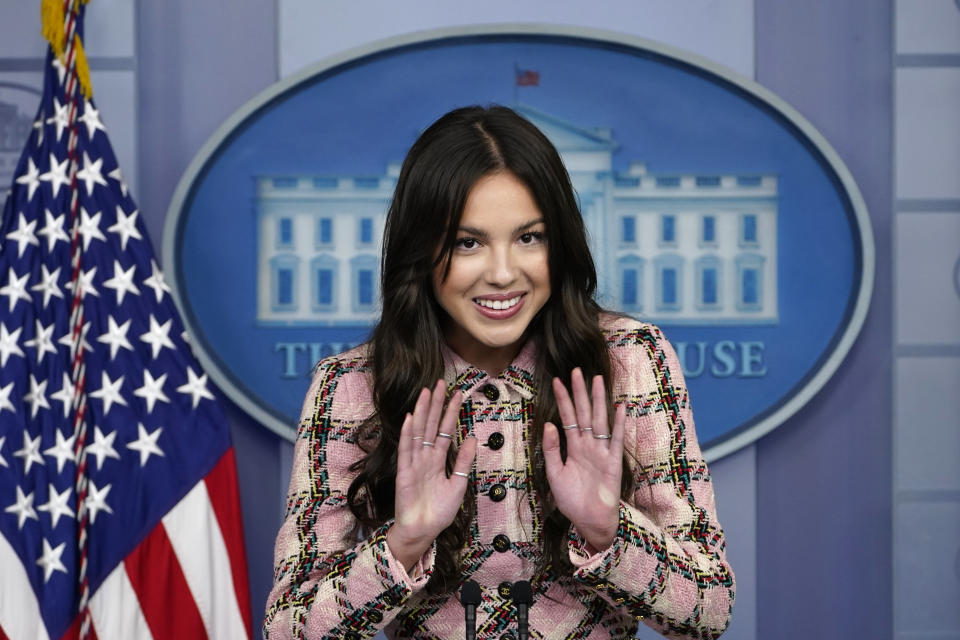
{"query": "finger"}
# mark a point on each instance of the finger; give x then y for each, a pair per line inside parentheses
(464, 461)
(599, 418)
(448, 426)
(551, 453)
(417, 423)
(568, 415)
(581, 401)
(437, 397)
(405, 446)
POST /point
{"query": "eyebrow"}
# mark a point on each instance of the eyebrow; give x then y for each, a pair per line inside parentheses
(480, 233)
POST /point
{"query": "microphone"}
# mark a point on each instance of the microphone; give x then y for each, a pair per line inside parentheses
(522, 598)
(470, 598)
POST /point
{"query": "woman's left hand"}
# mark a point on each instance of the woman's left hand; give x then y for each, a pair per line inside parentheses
(586, 487)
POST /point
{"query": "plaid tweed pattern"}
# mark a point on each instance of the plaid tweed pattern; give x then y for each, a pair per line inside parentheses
(666, 567)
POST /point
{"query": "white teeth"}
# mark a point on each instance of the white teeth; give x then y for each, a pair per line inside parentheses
(497, 305)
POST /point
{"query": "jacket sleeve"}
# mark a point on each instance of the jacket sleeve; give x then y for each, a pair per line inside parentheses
(327, 583)
(667, 564)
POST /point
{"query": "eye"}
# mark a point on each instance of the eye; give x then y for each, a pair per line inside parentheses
(467, 243)
(531, 237)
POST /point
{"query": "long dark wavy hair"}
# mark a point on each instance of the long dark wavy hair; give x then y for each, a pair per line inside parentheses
(421, 229)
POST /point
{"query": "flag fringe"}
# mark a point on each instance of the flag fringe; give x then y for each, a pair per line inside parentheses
(53, 19)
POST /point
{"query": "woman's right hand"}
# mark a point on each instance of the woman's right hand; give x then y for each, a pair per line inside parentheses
(426, 500)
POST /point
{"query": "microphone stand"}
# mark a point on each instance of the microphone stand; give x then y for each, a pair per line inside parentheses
(470, 598)
(522, 599)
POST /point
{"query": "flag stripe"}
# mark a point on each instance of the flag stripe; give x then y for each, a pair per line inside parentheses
(116, 611)
(19, 611)
(195, 537)
(225, 499)
(162, 589)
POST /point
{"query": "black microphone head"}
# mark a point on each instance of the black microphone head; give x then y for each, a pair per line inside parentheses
(521, 592)
(469, 593)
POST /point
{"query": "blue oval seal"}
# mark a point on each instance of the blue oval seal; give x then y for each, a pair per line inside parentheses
(714, 210)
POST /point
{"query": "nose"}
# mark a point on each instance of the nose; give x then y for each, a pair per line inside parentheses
(501, 268)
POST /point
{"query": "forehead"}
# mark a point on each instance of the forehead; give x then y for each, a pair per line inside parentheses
(499, 201)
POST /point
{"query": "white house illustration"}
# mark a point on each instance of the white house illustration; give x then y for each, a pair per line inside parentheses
(671, 248)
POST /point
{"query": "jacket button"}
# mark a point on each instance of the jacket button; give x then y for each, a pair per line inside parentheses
(504, 589)
(352, 635)
(491, 392)
(375, 616)
(497, 492)
(495, 441)
(508, 636)
(501, 543)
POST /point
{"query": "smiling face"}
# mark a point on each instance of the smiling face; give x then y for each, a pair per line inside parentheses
(498, 276)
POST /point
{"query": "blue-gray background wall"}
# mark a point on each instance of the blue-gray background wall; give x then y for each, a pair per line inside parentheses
(838, 510)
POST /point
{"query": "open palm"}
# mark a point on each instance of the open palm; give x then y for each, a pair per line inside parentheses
(586, 486)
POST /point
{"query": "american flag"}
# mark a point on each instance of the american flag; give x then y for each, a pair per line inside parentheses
(119, 511)
(526, 77)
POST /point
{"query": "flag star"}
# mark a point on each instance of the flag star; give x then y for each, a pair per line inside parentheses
(109, 392)
(116, 336)
(56, 504)
(90, 227)
(122, 281)
(68, 340)
(65, 395)
(32, 177)
(30, 452)
(37, 396)
(85, 280)
(57, 175)
(6, 404)
(24, 234)
(159, 335)
(48, 285)
(22, 508)
(91, 118)
(156, 281)
(16, 288)
(53, 230)
(196, 386)
(152, 390)
(62, 451)
(60, 117)
(50, 560)
(96, 501)
(125, 227)
(38, 125)
(8, 345)
(117, 175)
(146, 444)
(58, 66)
(42, 341)
(102, 446)
(3, 461)
(91, 173)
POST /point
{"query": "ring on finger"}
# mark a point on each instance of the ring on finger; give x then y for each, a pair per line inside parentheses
(427, 443)
(445, 435)
(568, 427)
(417, 438)
(599, 436)
(462, 474)
(586, 428)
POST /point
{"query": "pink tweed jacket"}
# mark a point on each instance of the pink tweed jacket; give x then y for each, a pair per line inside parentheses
(666, 567)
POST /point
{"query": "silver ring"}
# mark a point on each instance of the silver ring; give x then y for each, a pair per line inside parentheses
(586, 428)
(461, 474)
(445, 435)
(598, 436)
(568, 427)
(417, 438)
(427, 443)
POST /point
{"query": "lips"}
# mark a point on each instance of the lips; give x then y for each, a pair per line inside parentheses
(499, 306)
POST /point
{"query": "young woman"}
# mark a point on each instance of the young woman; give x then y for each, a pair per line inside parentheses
(499, 426)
